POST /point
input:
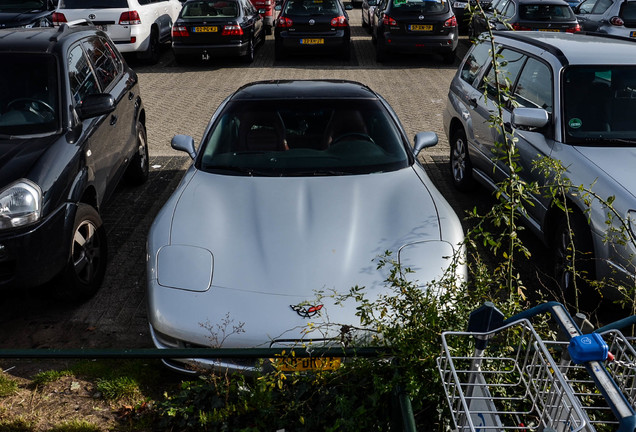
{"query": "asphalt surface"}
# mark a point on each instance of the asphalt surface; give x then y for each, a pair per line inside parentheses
(181, 100)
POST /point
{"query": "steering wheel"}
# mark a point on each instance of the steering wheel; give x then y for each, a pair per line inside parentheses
(352, 135)
(33, 105)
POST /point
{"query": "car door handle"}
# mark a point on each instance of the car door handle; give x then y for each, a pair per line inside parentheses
(472, 102)
(131, 95)
(113, 120)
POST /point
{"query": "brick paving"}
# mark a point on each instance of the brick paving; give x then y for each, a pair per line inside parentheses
(181, 99)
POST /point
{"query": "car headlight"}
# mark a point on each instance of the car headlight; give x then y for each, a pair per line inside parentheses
(20, 204)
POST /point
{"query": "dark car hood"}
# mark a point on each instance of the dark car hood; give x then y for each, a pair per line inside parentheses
(20, 19)
(18, 156)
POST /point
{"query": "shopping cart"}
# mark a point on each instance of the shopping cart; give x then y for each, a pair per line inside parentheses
(500, 375)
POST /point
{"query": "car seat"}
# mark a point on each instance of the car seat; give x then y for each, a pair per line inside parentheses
(343, 122)
(261, 131)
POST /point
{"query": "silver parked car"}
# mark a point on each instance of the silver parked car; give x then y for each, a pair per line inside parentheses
(296, 187)
(574, 99)
(615, 17)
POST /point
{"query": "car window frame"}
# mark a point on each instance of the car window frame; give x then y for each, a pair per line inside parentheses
(551, 86)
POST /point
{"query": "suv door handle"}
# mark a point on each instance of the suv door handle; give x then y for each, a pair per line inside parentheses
(113, 120)
(472, 102)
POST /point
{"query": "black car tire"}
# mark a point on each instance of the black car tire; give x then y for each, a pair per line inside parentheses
(461, 168)
(137, 171)
(249, 55)
(152, 53)
(577, 235)
(365, 24)
(88, 254)
(268, 31)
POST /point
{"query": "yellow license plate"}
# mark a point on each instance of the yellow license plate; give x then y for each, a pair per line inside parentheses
(297, 364)
(421, 27)
(632, 34)
(312, 41)
(551, 30)
(206, 29)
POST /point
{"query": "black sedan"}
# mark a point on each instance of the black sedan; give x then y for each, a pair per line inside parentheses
(72, 124)
(312, 26)
(208, 29)
(415, 26)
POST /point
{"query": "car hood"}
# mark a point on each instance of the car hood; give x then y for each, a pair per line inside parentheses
(17, 156)
(20, 19)
(615, 162)
(285, 235)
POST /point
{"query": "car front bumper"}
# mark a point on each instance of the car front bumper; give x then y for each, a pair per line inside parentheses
(33, 255)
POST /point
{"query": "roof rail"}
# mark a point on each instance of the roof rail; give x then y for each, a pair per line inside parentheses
(540, 44)
(64, 27)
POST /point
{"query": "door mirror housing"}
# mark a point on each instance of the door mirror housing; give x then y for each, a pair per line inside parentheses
(184, 143)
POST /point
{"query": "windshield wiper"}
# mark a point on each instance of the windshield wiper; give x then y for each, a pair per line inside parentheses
(248, 171)
(610, 140)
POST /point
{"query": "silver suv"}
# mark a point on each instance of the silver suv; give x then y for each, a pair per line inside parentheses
(574, 99)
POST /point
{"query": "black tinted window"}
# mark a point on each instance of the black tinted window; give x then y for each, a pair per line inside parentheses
(200, 9)
(534, 88)
(293, 137)
(421, 5)
(509, 67)
(28, 94)
(81, 77)
(628, 11)
(105, 61)
(93, 4)
(545, 12)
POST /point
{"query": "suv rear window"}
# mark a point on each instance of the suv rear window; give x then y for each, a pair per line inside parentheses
(421, 5)
(628, 11)
(545, 12)
(93, 4)
(210, 9)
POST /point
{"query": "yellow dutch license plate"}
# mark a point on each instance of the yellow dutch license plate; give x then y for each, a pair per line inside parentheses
(551, 30)
(421, 27)
(312, 41)
(206, 29)
(632, 34)
(297, 364)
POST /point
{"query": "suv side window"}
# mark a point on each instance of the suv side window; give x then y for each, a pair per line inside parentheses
(509, 68)
(534, 89)
(601, 6)
(105, 61)
(475, 60)
(509, 10)
(81, 77)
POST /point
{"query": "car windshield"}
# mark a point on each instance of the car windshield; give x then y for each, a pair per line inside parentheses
(545, 12)
(204, 9)
(28, 94)
(604, 112)
(312, 7)
(421, 5)
(93, 4)
(303, 138)
(22, 6)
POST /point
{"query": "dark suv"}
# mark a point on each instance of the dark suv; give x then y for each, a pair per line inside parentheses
(72, 124)
(415, 26)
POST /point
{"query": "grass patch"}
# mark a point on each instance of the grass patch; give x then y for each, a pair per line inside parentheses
(16, 425)
(7, 385)
(46, 377)
(76, 426)
(119, 388)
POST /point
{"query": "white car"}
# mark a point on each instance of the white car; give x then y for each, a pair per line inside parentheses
(136, 26)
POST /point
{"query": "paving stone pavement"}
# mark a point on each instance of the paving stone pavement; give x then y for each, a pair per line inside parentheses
(181, 99)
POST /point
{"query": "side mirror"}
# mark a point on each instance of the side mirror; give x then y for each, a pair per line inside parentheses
(348, 7)
(95, 105)
(529, 117)
(184, 143)
(423, 140)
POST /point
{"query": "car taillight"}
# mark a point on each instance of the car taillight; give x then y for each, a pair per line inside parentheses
(283, 22)
(451, 22)
(617, 21)
(232, 30)
(180, 31)
(388, 21)
(58, 18)
(340, 21)
(129, 18)
(517, 26)
(576, 28)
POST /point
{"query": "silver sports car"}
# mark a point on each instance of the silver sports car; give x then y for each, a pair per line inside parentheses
(297, 187)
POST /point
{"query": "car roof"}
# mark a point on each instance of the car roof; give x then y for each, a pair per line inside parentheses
(37, 39)
(578, 48)
(304, 89)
